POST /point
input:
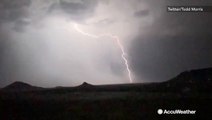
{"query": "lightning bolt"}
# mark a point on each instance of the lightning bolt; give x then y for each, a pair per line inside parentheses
(116, 38)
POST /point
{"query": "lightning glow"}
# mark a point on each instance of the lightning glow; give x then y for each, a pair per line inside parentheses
(116, 38)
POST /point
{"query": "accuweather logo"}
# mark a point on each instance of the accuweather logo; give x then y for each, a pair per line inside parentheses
(177, 111)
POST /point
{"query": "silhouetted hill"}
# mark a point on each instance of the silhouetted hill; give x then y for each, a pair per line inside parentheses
(187, 82)
(20, 86)
(85, 85)
(194, 81)
(189, 90)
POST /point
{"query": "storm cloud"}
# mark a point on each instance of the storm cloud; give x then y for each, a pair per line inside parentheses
(174, 43)
(39, 44)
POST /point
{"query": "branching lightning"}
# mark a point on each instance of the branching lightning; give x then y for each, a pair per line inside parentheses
(116, 38)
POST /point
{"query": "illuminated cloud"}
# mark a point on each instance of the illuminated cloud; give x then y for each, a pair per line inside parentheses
(39, 45)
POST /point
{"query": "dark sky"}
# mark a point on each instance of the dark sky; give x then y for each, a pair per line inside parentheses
(175, 43)
(39, 44)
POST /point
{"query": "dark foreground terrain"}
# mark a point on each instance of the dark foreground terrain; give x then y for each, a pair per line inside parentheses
(189, 90)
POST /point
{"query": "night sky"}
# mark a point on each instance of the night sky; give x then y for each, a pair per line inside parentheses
(40, 45)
